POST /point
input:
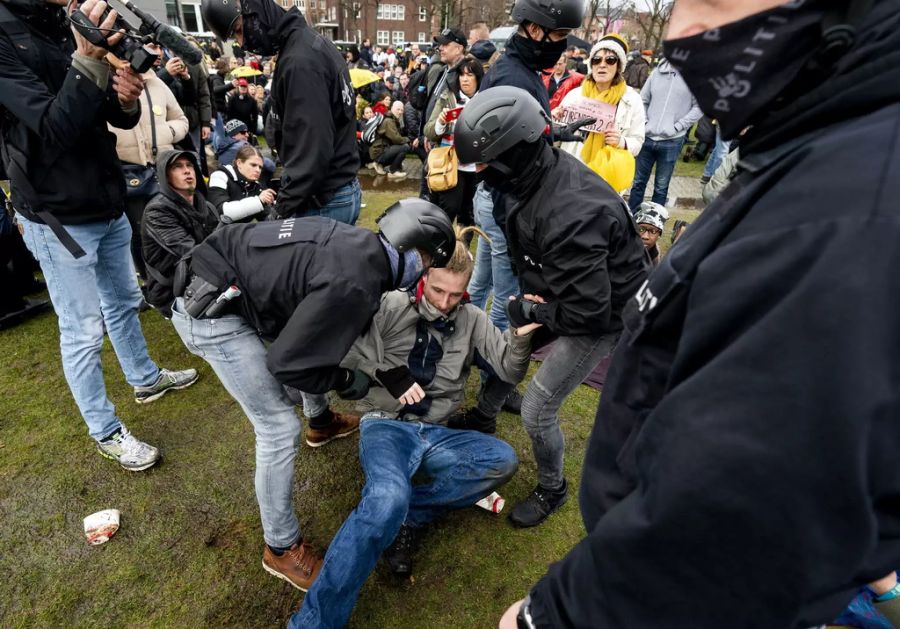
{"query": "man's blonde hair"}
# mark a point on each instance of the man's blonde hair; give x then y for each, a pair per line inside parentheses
(461, 261)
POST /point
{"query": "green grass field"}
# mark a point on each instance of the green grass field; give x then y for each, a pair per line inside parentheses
(189, 549)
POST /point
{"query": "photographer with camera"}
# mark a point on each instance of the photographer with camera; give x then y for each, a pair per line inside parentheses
(69, 193)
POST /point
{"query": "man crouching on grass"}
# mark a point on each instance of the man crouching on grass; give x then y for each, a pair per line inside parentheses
(419, 348)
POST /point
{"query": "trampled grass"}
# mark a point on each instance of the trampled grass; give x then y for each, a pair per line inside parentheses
(189, 549)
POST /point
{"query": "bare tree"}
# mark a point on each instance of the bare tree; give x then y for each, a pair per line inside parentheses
(652, 21)
(601, 15)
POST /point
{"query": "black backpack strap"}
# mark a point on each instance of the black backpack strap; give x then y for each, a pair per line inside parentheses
(154, 149)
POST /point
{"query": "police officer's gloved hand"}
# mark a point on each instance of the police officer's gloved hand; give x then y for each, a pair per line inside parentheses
(356, 385)
(572, 132)
(521, 312)
(397, 380)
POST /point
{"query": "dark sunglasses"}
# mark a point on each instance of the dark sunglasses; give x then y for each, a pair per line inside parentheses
(610, 60)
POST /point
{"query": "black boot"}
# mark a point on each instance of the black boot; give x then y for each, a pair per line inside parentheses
(399, 554)
(513, 403)
(538, 506)
(473, 419)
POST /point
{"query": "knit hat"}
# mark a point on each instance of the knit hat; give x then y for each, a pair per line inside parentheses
(234, 126)
(650, 213)
(617, 44)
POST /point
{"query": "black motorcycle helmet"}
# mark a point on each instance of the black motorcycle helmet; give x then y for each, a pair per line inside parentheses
(220, 16)
(416, 223)
(549, 14)
(496, 120)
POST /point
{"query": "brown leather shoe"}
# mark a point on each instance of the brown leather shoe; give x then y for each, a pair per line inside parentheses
(299, 565)
(344, 425)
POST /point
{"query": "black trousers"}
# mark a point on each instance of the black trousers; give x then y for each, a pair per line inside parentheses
(458, 202)
(134, 210)
(392, 158)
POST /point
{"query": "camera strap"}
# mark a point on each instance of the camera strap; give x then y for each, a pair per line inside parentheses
(154, 150)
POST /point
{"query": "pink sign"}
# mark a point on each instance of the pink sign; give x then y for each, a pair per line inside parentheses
(578, 107)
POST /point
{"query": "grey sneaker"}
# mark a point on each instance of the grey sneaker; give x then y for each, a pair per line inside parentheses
(131, 453)
(167, 381)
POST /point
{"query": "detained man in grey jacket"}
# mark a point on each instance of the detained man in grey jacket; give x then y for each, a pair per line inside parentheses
(671, 112)
(420, 348)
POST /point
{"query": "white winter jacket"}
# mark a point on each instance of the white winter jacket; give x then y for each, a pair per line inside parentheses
(630, 122)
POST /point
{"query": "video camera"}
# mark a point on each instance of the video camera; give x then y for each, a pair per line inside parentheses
(131, 47)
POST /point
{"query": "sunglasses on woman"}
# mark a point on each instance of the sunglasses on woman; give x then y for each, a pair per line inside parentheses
(610, 61)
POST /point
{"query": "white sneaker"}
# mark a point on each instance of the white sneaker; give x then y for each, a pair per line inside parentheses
(399, 175)
(167, 381)
(379, 169)
(131, 453)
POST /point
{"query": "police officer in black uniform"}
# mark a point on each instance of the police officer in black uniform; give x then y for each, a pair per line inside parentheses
(312, 100)
(309, 286)
(578, 256)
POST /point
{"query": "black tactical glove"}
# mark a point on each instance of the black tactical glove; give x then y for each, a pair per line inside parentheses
(521, 312)
(397, 380)
(356, 385)
(571, 132)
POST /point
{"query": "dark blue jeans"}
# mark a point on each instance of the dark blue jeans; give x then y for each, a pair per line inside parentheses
(461, 467)
(663, 153)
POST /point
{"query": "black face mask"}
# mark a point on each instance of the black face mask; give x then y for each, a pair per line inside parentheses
(256, 36)
(537, 54)
(738, 70)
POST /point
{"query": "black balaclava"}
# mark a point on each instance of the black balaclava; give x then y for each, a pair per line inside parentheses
(517, 171)
(537, 54)
(738, 70)
(261, 20)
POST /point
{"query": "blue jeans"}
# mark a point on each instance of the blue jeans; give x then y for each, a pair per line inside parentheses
(716, 157)
(237, 354)
(344, 206)
(461, 466)
(99, 288)
(570, 361)
(493, 268)
(663, 153)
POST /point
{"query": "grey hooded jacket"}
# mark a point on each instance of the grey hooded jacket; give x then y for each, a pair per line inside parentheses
(671, 108)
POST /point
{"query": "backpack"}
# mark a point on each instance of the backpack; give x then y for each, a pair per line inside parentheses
(371, 127)
(417, 89)
(442, 168)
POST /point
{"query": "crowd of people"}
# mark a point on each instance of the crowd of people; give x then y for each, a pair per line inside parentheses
(739, 467)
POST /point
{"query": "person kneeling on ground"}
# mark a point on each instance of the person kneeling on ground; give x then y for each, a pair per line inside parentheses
(389, 148)
(420, 348)
(175, 220)
(310, 286)
(236, 190)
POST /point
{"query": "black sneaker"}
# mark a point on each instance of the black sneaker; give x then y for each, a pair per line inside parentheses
(399, 554)
(538, 506)
(473, 419)
(513, 403)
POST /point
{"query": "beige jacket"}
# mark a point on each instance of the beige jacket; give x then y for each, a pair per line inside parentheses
(134, 145)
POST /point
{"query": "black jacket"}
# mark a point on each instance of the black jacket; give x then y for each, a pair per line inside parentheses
(741, 472)
(575, 244)
(510, 70)
(55, 126)
(170, 228)
(412, 122)
(192, 94)
(313, 100)
(322, 285)
(219, 89)
(245, 109)
(228, 186)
